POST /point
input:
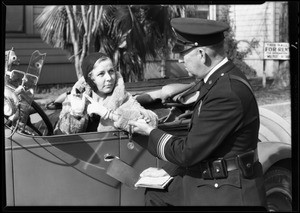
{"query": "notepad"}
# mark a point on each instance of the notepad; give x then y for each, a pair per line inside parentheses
(154, 182)
(127, 175)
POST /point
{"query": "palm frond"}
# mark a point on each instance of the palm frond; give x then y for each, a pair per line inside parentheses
(52, 24)
(103, 28)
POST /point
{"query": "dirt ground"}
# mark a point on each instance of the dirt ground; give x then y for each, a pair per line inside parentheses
(263, 95)
(272, 96)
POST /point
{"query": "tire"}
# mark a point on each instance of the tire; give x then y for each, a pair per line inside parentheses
(278, 184)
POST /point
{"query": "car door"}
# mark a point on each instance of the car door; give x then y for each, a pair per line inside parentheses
(8, 169)
(138, 158)
(61, 170)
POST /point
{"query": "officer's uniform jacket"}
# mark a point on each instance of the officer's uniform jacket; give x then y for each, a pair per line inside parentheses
(225, 122)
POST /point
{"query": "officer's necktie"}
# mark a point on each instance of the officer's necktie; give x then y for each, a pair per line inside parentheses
(201, 83)
(199, 86)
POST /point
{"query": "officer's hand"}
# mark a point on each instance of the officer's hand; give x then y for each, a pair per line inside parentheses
(140, 126)
(144, 116)
(153, 172)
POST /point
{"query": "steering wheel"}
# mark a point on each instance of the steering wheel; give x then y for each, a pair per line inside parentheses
(35, 108)
(44, 117)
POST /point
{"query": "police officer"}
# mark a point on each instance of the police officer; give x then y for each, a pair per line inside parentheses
(217, 163)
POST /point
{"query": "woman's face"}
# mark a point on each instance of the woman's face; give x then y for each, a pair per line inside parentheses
(104, 76)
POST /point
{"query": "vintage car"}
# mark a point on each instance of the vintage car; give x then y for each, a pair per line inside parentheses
(43, 169)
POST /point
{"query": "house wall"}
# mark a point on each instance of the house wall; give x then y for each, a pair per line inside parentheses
(256, 21)
(260, 22)
(57, 67)
(37, 9)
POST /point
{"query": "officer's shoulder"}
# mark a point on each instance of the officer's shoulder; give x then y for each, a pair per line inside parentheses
(223, 78)
(227, 85)
(222, 86)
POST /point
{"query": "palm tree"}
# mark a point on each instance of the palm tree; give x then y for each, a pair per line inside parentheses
(81, 29)
(75, 29)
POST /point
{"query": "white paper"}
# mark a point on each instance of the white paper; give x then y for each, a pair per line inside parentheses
(153, 182)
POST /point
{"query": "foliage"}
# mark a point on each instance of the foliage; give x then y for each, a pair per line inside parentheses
(245, 68)
(231, 46)
(83, 29)
(71, 28)
(130, 34)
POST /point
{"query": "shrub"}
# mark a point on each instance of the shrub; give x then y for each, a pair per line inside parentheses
(231, 46)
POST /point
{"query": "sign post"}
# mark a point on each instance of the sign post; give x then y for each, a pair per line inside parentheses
(275, 51)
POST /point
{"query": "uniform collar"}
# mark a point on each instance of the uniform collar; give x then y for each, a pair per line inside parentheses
(215, 69)
(214, 77)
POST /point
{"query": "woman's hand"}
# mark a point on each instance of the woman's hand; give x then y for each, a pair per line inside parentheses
(141, 126)
(96, 108)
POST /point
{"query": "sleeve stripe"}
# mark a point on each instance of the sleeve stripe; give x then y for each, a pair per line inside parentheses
(161, 146)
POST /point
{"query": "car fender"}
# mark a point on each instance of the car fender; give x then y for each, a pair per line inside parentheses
(273, 127)
(271, 152)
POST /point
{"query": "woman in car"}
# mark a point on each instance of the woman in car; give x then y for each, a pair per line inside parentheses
(99, 102)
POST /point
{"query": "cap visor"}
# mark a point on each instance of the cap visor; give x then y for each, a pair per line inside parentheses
(178, 48)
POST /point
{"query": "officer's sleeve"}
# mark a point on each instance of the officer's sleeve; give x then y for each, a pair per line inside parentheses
(218, 117)
(170, 168)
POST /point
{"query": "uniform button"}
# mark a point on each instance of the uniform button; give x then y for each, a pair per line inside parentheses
(217, 170)
(216, 185)
(222, 74)
(210, 82)
(248, 165)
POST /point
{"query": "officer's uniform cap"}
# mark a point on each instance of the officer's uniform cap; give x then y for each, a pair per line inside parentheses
(198, 32)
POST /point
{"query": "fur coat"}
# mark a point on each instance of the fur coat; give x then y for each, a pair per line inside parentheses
(120, 101)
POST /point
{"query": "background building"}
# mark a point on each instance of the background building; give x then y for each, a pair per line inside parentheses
(266, 22)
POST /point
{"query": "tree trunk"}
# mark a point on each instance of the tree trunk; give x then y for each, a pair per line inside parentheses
(282, 76)
(165, 45)
(71, 11)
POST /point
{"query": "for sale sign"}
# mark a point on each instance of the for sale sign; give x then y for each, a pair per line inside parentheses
(277, 51)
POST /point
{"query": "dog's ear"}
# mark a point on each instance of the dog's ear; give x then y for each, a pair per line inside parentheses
(77, 91)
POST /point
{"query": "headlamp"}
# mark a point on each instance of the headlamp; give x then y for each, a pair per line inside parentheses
(9, 108)
(10, 102)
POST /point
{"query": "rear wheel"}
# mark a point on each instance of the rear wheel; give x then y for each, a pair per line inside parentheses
(278, 184)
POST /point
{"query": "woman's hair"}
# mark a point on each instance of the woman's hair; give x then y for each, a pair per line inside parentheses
(88, 65)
